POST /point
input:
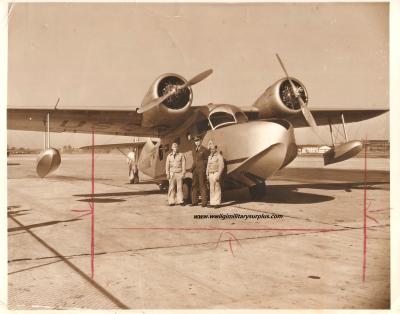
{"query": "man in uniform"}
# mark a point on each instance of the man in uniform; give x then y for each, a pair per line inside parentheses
(215, 167)
(175, 168)
(200, 155)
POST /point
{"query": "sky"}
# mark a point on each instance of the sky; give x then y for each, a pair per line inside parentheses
(107, 55)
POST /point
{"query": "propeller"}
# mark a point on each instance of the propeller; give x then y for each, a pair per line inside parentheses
(155, 102)
(304, 109)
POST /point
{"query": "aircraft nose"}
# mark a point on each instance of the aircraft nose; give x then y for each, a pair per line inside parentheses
(269, 146)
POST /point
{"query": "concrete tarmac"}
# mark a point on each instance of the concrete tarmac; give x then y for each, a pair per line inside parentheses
(309, 253)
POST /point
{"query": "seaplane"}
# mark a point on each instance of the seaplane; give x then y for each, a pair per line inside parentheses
(256, 141)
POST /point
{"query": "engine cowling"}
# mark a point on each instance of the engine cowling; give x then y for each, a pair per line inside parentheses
(174, 109)
(279, 100)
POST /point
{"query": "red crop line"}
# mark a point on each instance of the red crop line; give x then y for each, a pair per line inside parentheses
(364, 261)
(219, 239)
(223, 229)
(232, 237)
(230, 246)
(91, 205)
(372, 219)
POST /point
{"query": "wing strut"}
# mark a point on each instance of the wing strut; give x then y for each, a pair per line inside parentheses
(344, 127)
(342, 151)
(331, 133)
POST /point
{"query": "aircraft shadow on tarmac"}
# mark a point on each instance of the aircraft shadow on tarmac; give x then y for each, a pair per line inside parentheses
(279, 194)
(142, 182)
(345, 186)
(42, 224)
(102, 200)
(103, 197)
(289, 194)
(319, 175)
(15, 213)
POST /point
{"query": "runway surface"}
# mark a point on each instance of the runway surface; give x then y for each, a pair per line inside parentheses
(309, 253)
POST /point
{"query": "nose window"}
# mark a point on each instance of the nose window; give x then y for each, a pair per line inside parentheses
(220, 118)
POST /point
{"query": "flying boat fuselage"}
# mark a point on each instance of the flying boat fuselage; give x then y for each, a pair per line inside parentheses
(253, 150)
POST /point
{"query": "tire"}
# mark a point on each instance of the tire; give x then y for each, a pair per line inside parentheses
(163, 186)
(187, 190)
(257, 191)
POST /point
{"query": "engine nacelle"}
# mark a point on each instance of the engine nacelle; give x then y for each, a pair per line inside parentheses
(279, 101)
(48, 161)
(174, 109)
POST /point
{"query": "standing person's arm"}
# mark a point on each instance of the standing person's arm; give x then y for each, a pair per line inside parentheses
(167, 167)
(183, 165)
(207, 154)
(207, 169)
(194, 160)
(220, 166)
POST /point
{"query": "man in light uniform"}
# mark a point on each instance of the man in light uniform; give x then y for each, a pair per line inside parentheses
(215, 167)
(175, 168)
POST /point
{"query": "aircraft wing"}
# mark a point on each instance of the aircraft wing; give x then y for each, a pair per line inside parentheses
(111, 122)
(116, 146)
(334, 116)
(324, 116)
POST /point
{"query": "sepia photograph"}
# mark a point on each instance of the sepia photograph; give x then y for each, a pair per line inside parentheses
(198, 156)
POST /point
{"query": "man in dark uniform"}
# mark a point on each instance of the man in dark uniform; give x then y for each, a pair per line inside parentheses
(200, 157)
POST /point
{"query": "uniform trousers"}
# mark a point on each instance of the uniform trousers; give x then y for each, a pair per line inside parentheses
(175, 193)
(199, 181)
(215, 188)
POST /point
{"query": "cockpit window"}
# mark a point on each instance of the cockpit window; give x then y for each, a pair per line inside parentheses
(220, 118)
(240, 117)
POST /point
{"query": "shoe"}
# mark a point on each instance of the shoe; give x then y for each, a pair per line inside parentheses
(171, 204)
(203, 205)
(193, 204)
(216, 206)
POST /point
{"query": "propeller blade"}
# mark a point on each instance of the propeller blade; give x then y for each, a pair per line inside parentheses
(196, 79)
(304, 109)
(282, 66)
(309, 117)
(155, 102)
(199, 77)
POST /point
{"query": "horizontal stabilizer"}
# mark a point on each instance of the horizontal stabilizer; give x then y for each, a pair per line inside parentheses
(116, 146)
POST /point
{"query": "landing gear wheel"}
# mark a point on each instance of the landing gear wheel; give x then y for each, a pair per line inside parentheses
(163, 186)
(257, 191)
(187, 190)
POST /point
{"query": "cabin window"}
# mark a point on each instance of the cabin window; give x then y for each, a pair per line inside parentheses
(161, 152)
(221, 118)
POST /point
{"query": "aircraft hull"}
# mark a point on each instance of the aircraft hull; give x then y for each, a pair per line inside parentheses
(255, 149)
